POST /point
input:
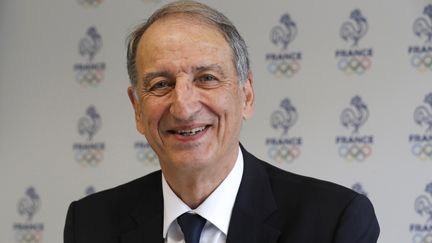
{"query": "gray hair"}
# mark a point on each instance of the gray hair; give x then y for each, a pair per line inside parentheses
(205, 13)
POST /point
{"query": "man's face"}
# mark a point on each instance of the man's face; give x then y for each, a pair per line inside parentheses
(189, 103)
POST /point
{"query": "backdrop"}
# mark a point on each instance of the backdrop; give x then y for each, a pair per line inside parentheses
(343, 87)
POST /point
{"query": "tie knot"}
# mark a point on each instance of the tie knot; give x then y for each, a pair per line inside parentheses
(191, 226)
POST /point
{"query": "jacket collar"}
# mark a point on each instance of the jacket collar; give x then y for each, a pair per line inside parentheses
(254, 217)
(148, 215)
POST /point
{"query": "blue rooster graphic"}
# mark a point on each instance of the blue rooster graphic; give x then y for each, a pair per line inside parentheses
(90, 44)
(89, 124)
(423, 26)
(355, 117)
(286, 34)
(285, 118)
(423, 205)
(29, 205)
(354, 30)
(423, 115)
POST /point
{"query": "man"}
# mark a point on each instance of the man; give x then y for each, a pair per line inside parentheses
(191, 89)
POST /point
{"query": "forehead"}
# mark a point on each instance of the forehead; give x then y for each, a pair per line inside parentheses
(179, 36)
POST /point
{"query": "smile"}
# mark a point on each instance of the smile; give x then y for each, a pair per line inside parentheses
(188, 133)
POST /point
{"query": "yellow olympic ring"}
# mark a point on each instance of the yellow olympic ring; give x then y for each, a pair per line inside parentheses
(89, 3)
(90, 157)
(355, 152)
(146, 154)
(354, 65)
(91, 77)
(28, 236)
(422, 62)
(284, 153)
(422, 151)
(282, 68)
(418, 238)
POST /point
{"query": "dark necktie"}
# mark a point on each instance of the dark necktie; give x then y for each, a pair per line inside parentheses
(191, 225)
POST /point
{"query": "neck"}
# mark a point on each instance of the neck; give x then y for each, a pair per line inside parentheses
(193, 186)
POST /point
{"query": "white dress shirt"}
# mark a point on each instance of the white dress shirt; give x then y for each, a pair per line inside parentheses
(216, 209)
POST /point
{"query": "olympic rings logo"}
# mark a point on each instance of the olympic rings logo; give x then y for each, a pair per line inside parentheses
(354, 65)
(283, 68)
(418, 238)
(146, 155)
(283, 153)
(90, 156)
(355, 152)
(28, 236)
(90, 3)
(422, 151)
(89, 77)
(422, 62)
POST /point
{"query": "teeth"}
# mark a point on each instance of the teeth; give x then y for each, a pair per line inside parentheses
(191, 132)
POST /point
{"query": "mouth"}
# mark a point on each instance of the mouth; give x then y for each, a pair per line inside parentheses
(189, 132)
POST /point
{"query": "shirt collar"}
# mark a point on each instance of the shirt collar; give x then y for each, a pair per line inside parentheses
(216, 209)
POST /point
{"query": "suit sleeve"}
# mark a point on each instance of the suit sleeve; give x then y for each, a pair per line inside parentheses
(358, 223)
(68, 233)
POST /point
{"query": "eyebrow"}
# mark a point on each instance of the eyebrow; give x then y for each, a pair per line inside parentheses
(197, 69)
(213, 67)
(149, 76)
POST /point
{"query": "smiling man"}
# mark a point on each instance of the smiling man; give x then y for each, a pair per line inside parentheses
(191, 89)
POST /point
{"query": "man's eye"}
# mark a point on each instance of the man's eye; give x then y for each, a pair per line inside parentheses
(160, 85)
(207, 78)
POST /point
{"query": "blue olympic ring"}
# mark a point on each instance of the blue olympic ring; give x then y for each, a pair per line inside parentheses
(283, 153)
(91, 77)
(281, 68)
(422, 151)
(354, 65)
(91, 157)
(355, 152)
(28, 236)
(90, 3)
(146, 155)
(422, 62)
(418, 238)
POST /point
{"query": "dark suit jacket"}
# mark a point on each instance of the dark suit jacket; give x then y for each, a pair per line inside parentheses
(272, 205)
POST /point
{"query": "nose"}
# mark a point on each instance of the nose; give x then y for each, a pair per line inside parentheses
(185, 100)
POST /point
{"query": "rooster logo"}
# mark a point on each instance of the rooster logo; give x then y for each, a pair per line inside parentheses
(90, 123)
(423, 26)
(423, 115)
(355, 117)
(354, 30)
(423, 205)
(90, 44)
(285, 118)
(30, 204)
(285, 34)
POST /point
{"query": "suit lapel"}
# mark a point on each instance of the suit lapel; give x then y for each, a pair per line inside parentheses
(254, 217)
(148, 215)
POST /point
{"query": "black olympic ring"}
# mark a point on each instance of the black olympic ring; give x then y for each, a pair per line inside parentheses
(282, 68)
(354, 65)
(355, 152)
(28, 236)
(90, 77)
(422, 63)
(283, 153)
(418, 238)
(91, 157)
(422, 151)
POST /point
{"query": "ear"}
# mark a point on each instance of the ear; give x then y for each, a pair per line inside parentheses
(249, 95)
(137, 109)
